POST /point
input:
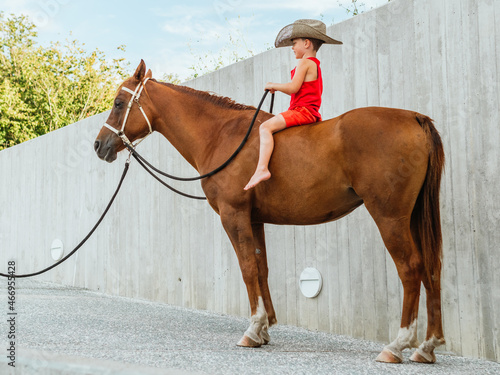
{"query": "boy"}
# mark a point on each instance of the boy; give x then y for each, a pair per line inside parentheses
(305, 37)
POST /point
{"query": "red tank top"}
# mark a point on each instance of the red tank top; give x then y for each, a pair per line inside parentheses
(309, 94)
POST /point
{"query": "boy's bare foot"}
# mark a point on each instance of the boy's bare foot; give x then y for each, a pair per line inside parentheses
(258, 176)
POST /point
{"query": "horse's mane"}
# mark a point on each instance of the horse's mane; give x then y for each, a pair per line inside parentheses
(221, 101)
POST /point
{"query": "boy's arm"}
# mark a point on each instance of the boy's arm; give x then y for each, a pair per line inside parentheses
(294, 85)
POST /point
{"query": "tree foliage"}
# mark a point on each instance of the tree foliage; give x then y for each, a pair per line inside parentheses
(46, 88)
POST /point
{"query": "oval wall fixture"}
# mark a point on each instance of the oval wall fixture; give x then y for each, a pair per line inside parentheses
(56, 249)
(310, 282)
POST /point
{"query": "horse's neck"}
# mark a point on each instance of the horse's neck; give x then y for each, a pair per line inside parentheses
(191, 124)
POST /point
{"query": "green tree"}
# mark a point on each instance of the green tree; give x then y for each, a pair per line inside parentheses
(46, 88)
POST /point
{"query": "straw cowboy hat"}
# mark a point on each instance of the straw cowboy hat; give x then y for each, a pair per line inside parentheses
(303, 29)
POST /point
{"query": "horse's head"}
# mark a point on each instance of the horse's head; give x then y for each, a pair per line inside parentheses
(130, 119)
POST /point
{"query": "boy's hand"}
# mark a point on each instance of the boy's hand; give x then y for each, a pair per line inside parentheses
(269, 86)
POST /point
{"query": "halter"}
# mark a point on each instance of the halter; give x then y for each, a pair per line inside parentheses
(136, 94)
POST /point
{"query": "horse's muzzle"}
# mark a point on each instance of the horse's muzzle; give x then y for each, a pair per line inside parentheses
(105, 150)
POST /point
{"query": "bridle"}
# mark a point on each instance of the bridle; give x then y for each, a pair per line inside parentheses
(136, 94)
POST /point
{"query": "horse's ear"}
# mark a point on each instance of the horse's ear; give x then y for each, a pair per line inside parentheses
(140, 71)
(149, 74)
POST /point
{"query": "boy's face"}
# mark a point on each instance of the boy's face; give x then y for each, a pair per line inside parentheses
(299, 47)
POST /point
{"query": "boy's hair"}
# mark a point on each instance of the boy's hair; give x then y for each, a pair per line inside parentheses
(316, 43)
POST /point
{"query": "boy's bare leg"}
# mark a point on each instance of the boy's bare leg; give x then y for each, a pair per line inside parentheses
(266, 131)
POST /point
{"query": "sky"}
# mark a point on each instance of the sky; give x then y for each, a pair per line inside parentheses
(172, 36)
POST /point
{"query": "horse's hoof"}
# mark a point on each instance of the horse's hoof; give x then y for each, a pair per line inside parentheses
(265, 337)
(426, 358)
(247, 342)
(387, 356)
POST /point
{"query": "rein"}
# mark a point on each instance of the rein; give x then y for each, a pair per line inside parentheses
(150, 168)
(142, 162)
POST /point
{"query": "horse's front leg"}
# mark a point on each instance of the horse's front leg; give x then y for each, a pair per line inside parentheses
(239, 229)
(261, 255)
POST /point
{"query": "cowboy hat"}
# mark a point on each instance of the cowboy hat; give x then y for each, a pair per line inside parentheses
(303, 29)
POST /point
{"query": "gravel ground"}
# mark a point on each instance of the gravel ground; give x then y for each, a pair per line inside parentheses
(61, 330)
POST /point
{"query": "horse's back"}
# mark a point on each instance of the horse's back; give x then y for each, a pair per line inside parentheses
(381, 133)
(324, 171)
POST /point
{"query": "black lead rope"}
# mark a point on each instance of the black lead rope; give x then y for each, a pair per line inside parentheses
(143, 163)
(125, 170)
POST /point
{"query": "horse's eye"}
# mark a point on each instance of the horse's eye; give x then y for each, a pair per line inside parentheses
(118, 104)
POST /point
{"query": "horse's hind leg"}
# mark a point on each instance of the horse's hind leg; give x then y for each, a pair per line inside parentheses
(261, 255)
(397, 237)
(237, 226)
(434, 336)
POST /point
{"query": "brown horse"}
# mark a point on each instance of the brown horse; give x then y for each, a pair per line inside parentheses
(389, 159)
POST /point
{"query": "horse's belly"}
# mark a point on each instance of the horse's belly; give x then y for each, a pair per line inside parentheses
(300, 207)
(308, 183)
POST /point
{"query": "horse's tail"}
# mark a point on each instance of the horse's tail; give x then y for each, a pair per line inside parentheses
(426, 218)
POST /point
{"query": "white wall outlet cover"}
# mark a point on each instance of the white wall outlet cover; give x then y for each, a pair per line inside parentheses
(310, 282)
(57, 249)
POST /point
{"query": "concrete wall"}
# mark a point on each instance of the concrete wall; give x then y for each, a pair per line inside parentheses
(439, 57)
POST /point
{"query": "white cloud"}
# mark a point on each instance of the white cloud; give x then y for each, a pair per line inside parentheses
(299, 8)
(16, 7)
(42, 13)
(200, 31)
(310, 6)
